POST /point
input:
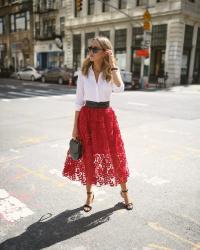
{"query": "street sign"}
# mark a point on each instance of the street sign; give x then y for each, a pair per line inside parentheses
(142, 52)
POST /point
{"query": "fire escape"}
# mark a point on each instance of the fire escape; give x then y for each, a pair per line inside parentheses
(45, 19)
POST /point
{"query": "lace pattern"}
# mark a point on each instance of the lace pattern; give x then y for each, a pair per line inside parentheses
(104, 160)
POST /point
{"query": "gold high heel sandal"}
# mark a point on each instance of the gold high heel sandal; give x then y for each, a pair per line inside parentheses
(128, 206)
(88, 208)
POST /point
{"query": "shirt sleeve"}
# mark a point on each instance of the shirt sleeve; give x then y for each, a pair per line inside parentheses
(118, 89)
(79, 101)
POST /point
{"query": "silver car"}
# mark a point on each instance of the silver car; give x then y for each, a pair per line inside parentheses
(29, 73)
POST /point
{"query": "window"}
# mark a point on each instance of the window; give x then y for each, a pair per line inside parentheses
(90, 7)
(105, 33)
(20, 21)
(105, 7)
(1, 25)
(76, 51)
(192, 1)
(122, 4)
(137, 37)
(2, 3)
(159, 35)
(62, 26)
(62, 3)
(88, 39)
(159, 1)
(120, 39)
(120, 48)
(141, 2)
(49, 27)
(188, 36)
(76, 13)
(37, 29)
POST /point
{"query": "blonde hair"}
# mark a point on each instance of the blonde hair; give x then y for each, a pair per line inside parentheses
(104, 43)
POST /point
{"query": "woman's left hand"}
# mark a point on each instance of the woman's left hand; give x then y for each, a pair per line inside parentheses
(111, 57)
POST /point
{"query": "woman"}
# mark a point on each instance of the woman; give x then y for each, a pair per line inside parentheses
(104, 160)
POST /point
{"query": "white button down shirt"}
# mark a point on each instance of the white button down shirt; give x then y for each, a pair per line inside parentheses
(90, 90)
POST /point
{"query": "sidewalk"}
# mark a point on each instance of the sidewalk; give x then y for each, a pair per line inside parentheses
(190, 88)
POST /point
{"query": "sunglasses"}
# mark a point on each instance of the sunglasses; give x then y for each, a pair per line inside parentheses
(94, 49)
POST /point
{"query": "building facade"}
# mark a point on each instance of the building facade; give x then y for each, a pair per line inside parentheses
(175, 35)
(16, 34)
(49, 27)
(52, 33)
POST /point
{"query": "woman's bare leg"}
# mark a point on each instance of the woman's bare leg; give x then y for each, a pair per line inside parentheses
(125, 194)
(89, 196)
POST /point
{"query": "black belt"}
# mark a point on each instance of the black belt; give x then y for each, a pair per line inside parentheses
(92, 104)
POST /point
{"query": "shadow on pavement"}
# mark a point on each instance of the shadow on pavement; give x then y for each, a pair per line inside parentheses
(45, 233)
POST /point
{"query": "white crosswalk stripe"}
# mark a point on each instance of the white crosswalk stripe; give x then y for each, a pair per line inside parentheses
(11, 209)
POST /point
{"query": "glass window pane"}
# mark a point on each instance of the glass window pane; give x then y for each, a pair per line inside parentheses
(120, 39)
(188, 36)
(105, 7)
(105, 33)
(90, 7)
(159, 35)
(1, 26)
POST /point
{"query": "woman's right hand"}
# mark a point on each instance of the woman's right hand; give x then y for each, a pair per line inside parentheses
(75, 133)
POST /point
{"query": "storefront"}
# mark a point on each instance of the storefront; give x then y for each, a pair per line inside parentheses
(158, 49)
(187, 48)
(52, 59)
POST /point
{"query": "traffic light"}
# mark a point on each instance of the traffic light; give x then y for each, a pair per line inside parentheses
(79, 5)
(147, 21)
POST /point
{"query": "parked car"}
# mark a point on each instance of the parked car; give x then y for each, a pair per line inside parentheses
(29, 73)
(59, 75)
(127, 79)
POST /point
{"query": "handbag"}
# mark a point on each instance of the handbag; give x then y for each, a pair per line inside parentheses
(75, 149)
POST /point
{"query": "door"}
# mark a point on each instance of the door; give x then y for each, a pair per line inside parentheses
(157, 64)
(43, 60)
(196, 72)
(185, 66)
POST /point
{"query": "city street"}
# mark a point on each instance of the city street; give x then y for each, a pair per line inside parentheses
(40, 209)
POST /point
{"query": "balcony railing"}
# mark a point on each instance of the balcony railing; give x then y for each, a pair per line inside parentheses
(45, 8)
(47, 36)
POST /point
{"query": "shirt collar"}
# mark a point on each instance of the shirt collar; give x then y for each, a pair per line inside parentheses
(92, 71)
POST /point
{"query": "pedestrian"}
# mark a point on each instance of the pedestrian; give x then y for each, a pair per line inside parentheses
(104, 159)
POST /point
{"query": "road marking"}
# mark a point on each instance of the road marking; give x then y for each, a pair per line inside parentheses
(41, 97)
(41, 176)
(155, 181)
(55, 96)
(54, 145)
(158, 227)
(7, 159)
(32, 93)
(5, 100)
(24, 99)
(33, 140)
(172, 131)
(14, 150)
(138, 104)
(11, 209)
(17, 93)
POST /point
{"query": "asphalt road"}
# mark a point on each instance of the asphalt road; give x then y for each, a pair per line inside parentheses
(41, 209)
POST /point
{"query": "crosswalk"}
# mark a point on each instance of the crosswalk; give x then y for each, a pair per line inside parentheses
(26, 94)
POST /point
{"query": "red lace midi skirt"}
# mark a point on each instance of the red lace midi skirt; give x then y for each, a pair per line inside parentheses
(104, 159)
